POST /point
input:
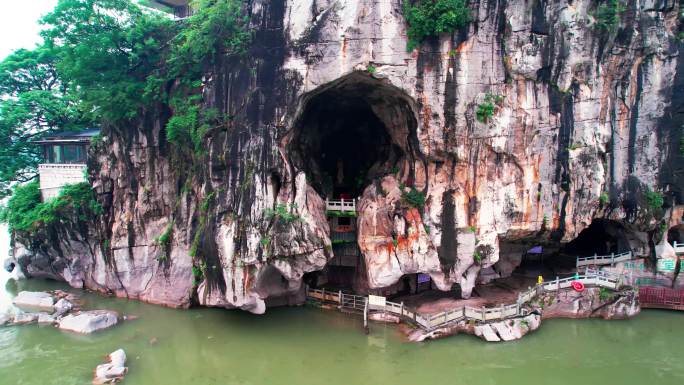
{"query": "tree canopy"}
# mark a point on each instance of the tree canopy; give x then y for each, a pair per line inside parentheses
(101, 63)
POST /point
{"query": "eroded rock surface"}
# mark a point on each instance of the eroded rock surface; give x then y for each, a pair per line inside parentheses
(586, 122)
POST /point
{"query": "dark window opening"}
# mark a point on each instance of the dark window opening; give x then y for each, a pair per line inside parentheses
(65, 153)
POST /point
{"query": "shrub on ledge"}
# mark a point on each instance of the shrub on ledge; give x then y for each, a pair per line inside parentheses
(25, 211)
(431, 17)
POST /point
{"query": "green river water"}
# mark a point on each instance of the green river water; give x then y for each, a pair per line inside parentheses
(302, 345)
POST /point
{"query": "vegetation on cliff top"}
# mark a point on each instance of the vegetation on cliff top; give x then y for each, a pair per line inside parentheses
(431, 17)
(25, 212)
(102, 63)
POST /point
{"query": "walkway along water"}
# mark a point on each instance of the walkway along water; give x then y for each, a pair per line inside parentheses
(428, 323)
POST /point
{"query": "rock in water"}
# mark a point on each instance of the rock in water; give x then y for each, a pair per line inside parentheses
(62, 307)
(25, 318)
(87, 322)
(34, 300)
(113, 371)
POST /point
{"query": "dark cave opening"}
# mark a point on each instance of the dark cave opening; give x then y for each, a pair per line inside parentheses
(676, 234)
(350, 133)
(602, 237)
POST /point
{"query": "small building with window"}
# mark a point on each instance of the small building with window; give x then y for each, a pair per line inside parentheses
(65, 155)
(180, 8)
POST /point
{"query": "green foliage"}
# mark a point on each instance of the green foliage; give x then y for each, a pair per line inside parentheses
(164, 241)
(472, 229)
(427, 229)
(104, 62)
(395, 242)
(604, 198)
(608, 14)
(283, 213)
(342, 241)
(337, 213)
(573, 146)
(265, 241)
(485, 110)
(431, 17)
(199, 272)
(477, 257)
(605, 294)
(33, 102)
(371, 69)
(654, 199)
(413, 198)
(25, 212)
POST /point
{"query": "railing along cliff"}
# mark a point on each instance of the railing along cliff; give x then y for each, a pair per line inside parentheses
(481, 314)
(597, 260)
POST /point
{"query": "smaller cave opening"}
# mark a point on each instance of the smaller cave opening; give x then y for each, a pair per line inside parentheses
(602, 237)
(676, 235)
(275, 288)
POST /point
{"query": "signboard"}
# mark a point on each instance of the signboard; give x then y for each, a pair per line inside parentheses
(666, 265)
(375, 300)
(423, 278)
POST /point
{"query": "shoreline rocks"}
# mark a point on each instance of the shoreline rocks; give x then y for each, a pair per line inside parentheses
(34, 300)
(87, 322)
(112, 371)
(64, 314)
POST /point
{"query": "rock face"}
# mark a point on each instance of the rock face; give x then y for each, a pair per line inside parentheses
(87, 322)
(586, 121)
(592, 302)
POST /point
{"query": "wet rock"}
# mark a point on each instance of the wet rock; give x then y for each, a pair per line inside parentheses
(508, 330)
(87, 322)
(34, 300)
(113, 371)
(593, 302)
(9, 265)
(6, 318)
(62, 307)
(46, 319)
(25, 318)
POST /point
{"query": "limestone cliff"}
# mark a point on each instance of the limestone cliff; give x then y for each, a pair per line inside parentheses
(585, 121)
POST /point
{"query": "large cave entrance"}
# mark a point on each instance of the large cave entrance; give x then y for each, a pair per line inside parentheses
(349, 133)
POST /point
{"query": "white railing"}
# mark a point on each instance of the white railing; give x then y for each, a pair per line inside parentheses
(604, 259)
(482, 314)
(679, 247)
(340, 205)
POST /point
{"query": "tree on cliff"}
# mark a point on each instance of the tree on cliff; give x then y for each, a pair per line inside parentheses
(33, 102)
(103, 62)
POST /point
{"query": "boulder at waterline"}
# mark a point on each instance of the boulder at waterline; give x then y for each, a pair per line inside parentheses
(87, 322)
(34, 300)
(113, 371)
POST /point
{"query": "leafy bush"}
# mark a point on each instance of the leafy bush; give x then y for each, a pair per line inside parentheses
(604, 198)
(164, 241)
(654, 199)
(283, 213)
(371, 69)
(477, 257)
(413, 198)
(605, 294)
(485, 110)
(25, 211)
(608, 14)
(431, 17)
